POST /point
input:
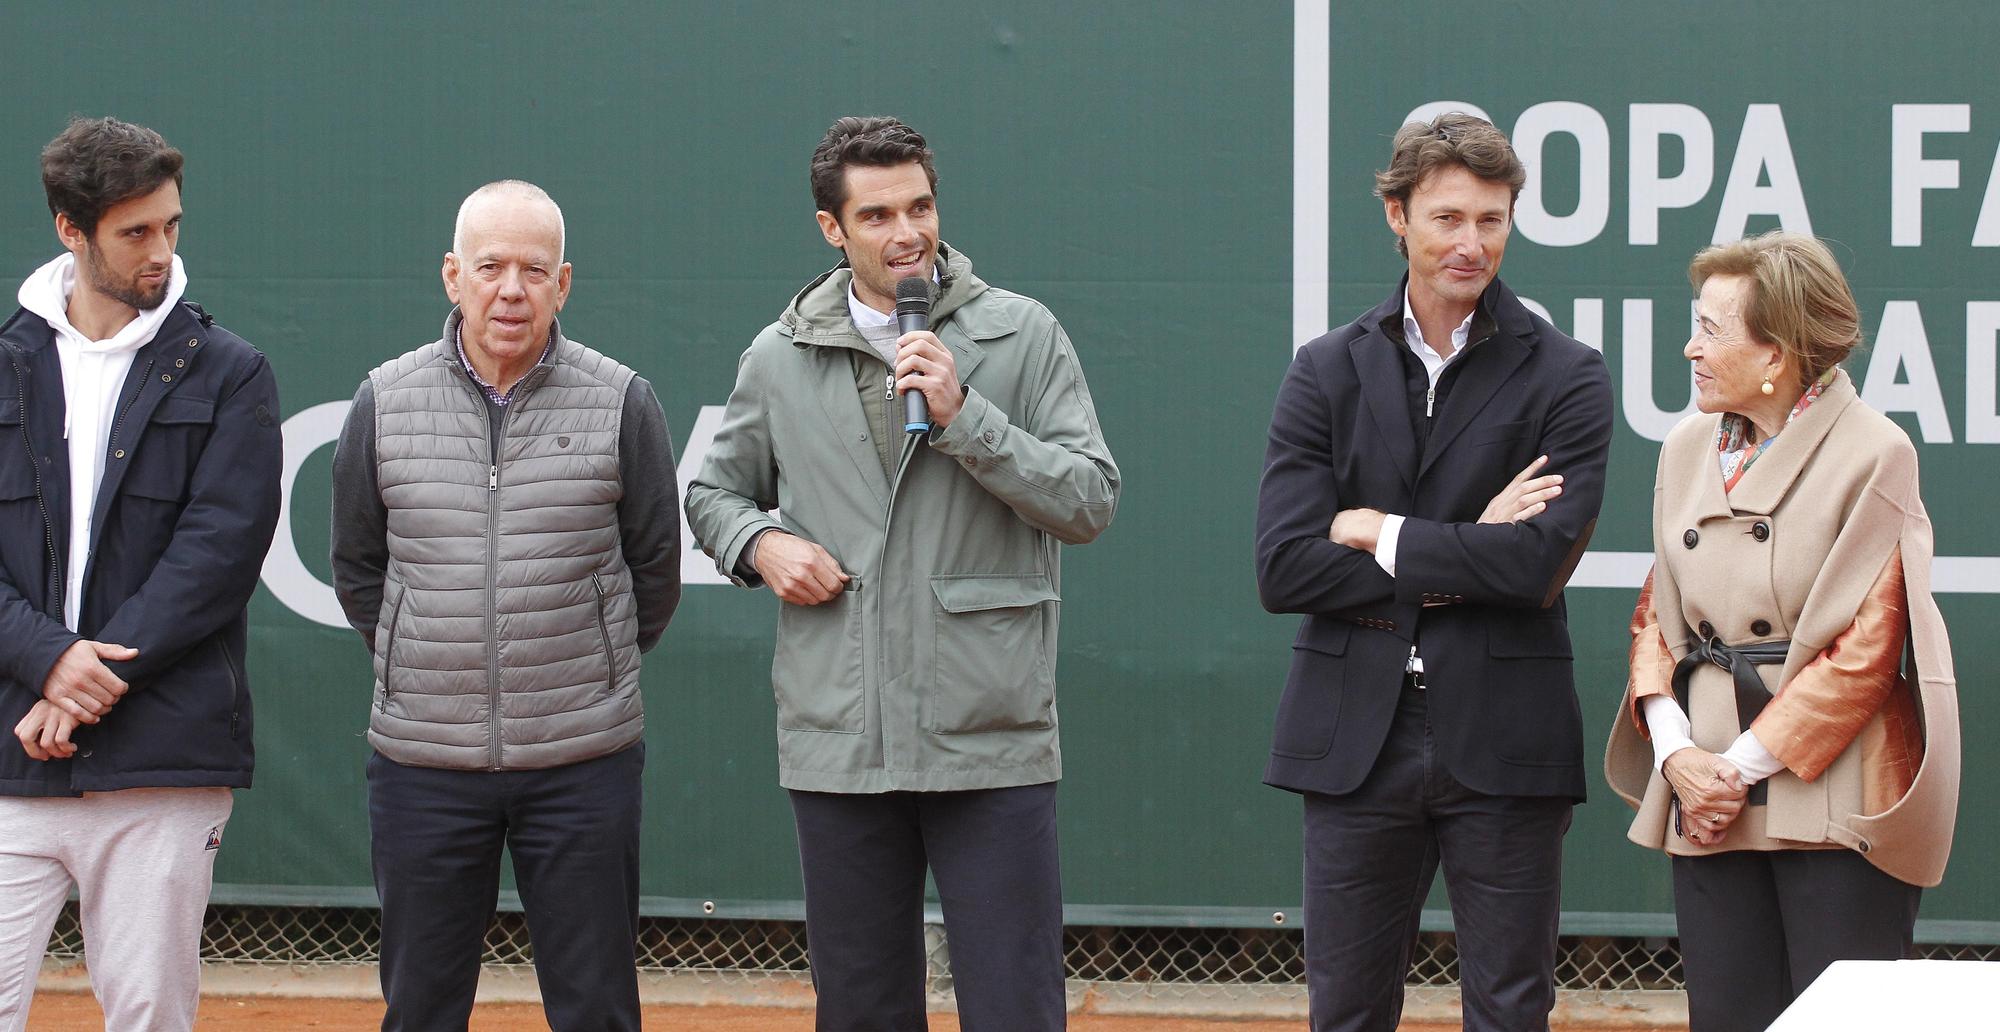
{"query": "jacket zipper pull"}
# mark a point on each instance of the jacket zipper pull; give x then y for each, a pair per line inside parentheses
(493, 478)
(889, 387)
(1430, 398)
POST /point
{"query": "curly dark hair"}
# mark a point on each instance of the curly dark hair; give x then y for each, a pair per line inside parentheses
(98, 162)
(1453, 139)
(876, 141)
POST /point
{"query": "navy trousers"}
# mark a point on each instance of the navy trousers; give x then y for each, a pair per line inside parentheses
(1370, 856)
(993, 855)
(573, 833)
(1757, 927)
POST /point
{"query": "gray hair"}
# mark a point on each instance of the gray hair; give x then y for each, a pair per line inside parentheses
(517, 187)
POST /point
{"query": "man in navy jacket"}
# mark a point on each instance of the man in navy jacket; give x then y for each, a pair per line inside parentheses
(139, 465)
(1430, 715)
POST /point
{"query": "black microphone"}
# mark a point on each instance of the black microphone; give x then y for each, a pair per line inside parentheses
(913, 312)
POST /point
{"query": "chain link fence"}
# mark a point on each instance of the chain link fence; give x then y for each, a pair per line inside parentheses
(1156, 963)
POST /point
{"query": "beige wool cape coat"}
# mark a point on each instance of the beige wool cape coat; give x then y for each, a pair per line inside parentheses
(1820, 543)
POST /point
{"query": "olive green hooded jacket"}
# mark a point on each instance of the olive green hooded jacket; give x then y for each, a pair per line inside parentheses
(935, 671)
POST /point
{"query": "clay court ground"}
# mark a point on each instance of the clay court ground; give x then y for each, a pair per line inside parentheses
(75, 1012)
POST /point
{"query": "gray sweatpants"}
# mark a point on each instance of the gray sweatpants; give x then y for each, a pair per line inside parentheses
(142, 860)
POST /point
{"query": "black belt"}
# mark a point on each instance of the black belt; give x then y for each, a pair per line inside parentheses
(1742, 662)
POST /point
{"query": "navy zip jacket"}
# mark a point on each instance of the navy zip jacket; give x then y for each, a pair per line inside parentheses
(184, 514)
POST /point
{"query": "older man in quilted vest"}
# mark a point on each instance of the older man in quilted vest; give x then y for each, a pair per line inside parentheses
(496, 541)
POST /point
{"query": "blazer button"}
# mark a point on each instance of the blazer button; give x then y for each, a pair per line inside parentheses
(1760, 628)
(1761, 531)
(1690, 538)
(1707, 629)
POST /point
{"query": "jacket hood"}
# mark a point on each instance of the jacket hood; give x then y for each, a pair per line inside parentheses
(818, 314)
(46, 291)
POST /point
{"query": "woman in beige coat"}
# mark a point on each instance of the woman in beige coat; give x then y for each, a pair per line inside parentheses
(1789, 666)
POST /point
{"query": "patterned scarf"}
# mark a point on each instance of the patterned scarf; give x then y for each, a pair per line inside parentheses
(1732, 439)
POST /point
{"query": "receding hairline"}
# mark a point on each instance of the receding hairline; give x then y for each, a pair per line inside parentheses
(499, 189)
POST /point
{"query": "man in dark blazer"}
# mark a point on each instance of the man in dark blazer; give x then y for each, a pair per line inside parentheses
(1430, 715)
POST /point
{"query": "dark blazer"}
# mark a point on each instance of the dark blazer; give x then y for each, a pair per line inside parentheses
(185, 511)
(1485, 600)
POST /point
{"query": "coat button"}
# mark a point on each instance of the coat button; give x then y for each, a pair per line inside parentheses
(166, 377)
(1760, 628)
(990, 436)
(179, 362)
(119, 454)
(192, 342)
(1761, 531)
(1690, 538)
(1707, 629)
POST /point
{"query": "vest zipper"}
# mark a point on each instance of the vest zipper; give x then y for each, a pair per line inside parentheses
(41, 501)
(493, 591)
(604, 629)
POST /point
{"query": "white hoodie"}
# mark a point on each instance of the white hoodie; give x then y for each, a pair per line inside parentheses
(93, 372)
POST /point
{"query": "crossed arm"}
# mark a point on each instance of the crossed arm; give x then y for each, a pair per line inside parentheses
(1518, 552)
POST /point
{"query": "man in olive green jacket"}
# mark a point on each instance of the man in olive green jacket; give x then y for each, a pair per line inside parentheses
(920, 578)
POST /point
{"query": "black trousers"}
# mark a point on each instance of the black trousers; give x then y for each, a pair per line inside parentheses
(1370, 856)
(1757, 927)
(573, 833)
(993, 855)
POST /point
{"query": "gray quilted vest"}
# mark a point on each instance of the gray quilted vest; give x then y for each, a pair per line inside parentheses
(508, 634)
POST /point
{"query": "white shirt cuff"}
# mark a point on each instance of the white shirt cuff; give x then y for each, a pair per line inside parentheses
(1385, 543)
(1669, 724)
(1751, 758)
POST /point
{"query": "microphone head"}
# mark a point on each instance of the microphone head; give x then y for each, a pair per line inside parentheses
(913, 294)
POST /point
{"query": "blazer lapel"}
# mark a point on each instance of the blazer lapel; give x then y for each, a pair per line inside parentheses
(1770, 478)
(1380, 371)
(1691, 477)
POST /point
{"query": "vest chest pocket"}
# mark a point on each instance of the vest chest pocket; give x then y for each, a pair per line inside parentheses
(991, 669)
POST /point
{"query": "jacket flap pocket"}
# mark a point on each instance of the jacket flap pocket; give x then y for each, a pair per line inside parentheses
(972, 593)
(1324, 635)
(1528, 639)
(10, 410)
(177, 409)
